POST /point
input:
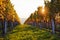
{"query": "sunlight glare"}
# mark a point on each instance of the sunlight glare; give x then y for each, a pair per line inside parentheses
(43, 10)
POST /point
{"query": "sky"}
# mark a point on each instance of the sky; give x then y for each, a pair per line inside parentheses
(24, 8)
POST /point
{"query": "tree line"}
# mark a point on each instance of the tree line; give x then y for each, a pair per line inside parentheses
(8, 16)
(47, 19)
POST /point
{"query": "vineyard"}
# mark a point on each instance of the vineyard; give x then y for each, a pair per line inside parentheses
(43, 24)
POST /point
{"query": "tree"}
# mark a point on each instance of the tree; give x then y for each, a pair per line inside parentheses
(35, 17)
(53, 9)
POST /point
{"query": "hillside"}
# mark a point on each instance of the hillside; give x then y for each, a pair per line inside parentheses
(27, 32)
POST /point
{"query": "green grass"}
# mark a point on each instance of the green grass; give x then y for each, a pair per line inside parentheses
(27, 32)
